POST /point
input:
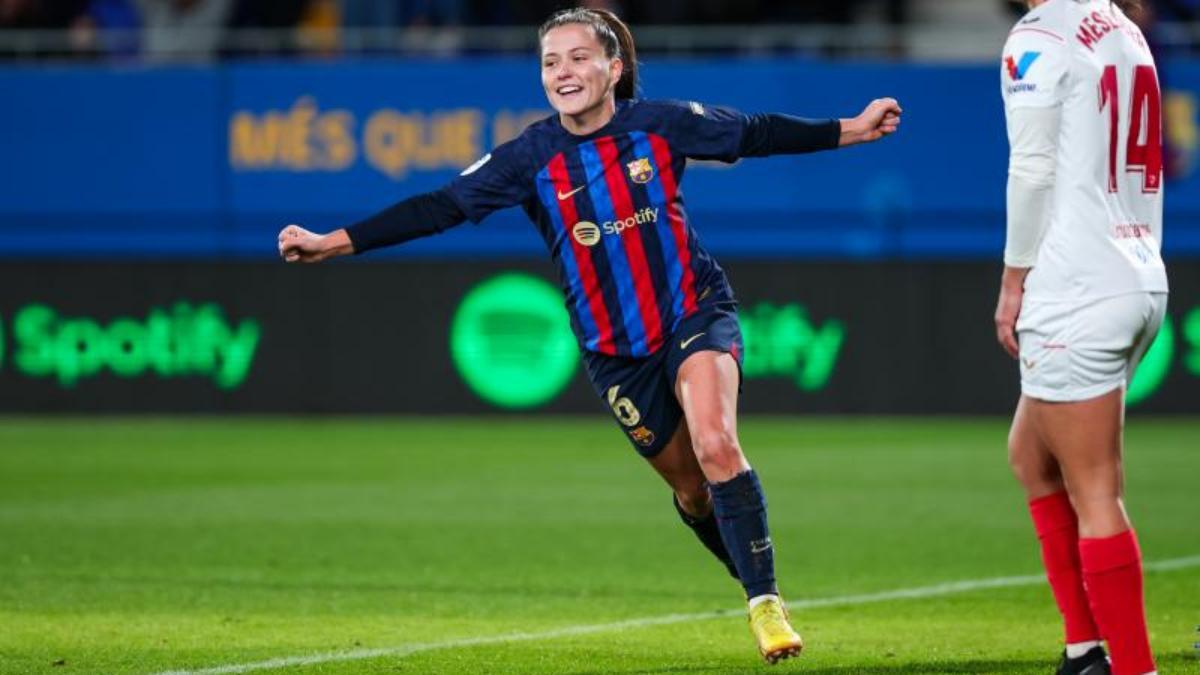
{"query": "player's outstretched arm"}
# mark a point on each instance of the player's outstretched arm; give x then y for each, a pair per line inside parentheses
(769, 134)
(880, 118)
(412, 218)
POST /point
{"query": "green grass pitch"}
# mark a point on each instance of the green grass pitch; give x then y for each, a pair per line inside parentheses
(152, 545)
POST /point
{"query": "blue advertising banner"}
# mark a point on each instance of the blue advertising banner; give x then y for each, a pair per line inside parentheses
(212, 161)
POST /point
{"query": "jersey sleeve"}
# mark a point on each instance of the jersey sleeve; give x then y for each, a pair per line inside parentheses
(1034, 68)
(496, 181)
(702, 131)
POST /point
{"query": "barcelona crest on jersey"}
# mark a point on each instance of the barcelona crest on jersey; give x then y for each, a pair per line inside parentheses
(640, 170)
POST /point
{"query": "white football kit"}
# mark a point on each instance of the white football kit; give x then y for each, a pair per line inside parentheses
(1084, 116)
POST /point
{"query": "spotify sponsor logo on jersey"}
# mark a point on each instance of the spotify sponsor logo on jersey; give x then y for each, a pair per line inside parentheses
(588, 233)
(179, 341)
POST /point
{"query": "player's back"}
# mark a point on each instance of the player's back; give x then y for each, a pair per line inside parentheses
(1105, 231)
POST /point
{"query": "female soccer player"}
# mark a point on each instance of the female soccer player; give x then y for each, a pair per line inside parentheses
(653, 312)
(1082, 296)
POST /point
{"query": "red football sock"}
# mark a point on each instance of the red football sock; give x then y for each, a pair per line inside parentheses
(1058, 530)
(1112, 572)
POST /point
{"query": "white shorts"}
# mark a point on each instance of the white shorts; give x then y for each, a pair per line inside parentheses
(1078, 351)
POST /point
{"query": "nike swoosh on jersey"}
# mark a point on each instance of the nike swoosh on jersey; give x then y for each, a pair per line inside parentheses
(562, 196)
(685, 343)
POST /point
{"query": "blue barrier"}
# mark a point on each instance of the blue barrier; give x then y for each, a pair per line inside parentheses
(211, 161)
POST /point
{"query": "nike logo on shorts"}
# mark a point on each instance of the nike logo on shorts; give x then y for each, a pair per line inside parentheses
(685, 343)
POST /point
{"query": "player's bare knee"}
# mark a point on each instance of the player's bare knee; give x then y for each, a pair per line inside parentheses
(1101, 514)
(719, 449)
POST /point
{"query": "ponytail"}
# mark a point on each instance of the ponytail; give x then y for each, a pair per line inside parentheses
(628, 84)
(613, 35)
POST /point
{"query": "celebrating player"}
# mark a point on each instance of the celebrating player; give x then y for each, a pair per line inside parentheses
(1083, 294)
(653, 312)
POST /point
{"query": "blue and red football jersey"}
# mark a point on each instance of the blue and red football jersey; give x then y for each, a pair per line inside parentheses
(610, 209)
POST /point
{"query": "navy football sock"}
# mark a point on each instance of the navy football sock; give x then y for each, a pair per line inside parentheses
(741, 511)
(708, 533)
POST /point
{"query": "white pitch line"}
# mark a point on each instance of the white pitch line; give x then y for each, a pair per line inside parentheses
(949, 588)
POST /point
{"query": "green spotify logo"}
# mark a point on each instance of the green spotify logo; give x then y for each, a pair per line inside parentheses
(1156, 365)
(784, 341)
(512, 343)
(177, 341)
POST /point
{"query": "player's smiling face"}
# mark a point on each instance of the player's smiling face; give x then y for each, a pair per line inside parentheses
(576, 74)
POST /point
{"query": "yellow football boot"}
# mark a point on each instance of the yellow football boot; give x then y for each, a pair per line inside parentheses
(776, 638)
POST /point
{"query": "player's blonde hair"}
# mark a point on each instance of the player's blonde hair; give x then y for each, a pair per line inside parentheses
(613, 35)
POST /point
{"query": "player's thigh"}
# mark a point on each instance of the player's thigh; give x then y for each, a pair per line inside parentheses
(707, 387)
(1076, 359)
(703, 364)
(1030, 456)
(1085, 438)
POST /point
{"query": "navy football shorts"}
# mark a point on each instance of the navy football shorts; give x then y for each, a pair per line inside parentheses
(640, 392)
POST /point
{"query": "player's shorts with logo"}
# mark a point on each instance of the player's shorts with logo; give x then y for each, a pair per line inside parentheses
(640, 392)
(1074, 351)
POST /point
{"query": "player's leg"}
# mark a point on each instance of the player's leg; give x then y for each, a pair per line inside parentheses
(707, 388)
(1086, 438)
(1057, 529)
(1030, 458)
(642, 401)
(1101, 345)
(677, 464)
(1056, 525)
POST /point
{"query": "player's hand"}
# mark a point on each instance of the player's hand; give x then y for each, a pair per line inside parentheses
(880, 118)
(297, 244)
(1008, 309)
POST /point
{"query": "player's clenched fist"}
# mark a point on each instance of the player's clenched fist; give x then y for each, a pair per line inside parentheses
(297, 244)
(880, 118)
